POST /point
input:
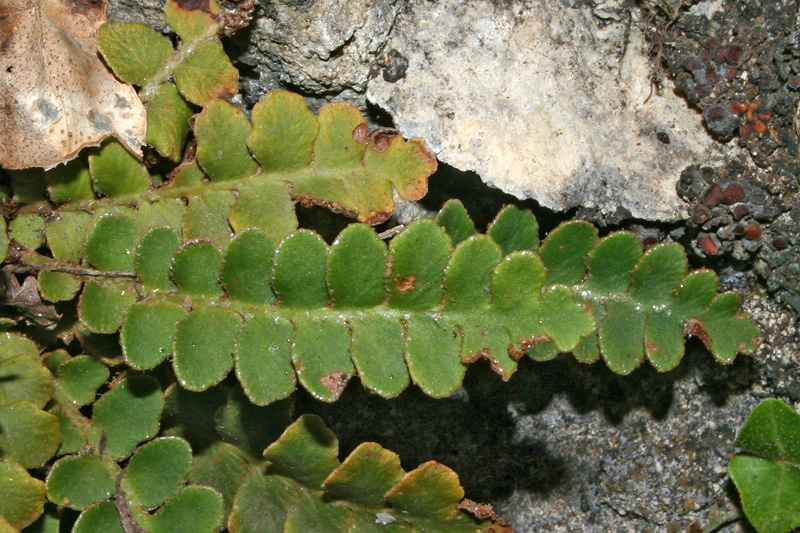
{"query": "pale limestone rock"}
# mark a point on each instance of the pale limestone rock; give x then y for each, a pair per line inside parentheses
(545, 100)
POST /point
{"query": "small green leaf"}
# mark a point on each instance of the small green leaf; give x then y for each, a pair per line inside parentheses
(27, 230)
(194, 509)
(23, 496)
(78, 481)
(152, 213)
(467, 279)
(111, 243)
(195, 269)
(168, 117)
(115, 172)
(69, 182)
(157, 470)
(267, 206)
(57, 286)
(128, 414)
(187, 174)
(72, 437)
(103, 304)
(565, 250)
(192, 21)
(696, 291)
(247, 268)
(203, 347)
(100, 516)
(147, 333)
(207, 217)
(663, 340)
(23, 377)
(658, 273)
(612, 261)
(725, 331)
(517, 280)
(455, 220)
(221, 467)
(221, 131)
(430, 491)
(66, 235)
(321, 355)
(13, 344)
(261, 503)
(283, 132)
(154, 257)
(772, 431)
(314, 514)
(206, 74)
(29, 435)
(418, 259)
(437, 372)
(767, 475)
(264, 360)
(299, 273)
(621, 337)
(356, 266)
(514, 229)
(306, 452)
(563, 320)
(377, 350)
(368, 473)
(80, 377)
(133, 51)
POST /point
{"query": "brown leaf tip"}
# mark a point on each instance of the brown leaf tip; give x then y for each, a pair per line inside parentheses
(405, 284)
(382, 139)
(335, 382)
(525, 344)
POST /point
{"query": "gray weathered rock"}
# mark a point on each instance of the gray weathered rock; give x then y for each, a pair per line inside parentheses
(321, 48)
(545, 100)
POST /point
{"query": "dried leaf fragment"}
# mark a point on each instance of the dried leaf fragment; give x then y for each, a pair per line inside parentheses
(56, 95)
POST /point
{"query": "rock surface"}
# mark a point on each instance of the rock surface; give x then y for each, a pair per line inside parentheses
(545, 100)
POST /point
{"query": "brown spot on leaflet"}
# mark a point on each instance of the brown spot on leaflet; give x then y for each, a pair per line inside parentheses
(405, 284)
(361, 133)
(650, 347)
(335, 382)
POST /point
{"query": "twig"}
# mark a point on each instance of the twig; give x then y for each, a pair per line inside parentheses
(70, 269)
(129, 523)
(391, 232)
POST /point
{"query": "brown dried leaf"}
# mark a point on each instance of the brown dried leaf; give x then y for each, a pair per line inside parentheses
(56, 95)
